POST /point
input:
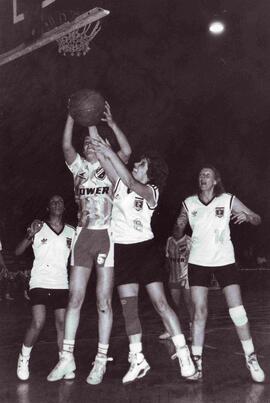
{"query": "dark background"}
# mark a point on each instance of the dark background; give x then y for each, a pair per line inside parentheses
(195, 97)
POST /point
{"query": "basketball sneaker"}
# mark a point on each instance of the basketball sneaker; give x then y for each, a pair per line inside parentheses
(138, 367)
(23, 367)
(70, 375)
(198, 364)
(65, 366)
(99, 368)
(256, 372)
(187, 367)
(164, 336)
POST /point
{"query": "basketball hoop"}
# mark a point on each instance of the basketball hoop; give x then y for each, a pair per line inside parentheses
(76, 43)
(73, 37)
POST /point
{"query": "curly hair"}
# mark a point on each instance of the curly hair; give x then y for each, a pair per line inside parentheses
(218, 188)
(157, 169)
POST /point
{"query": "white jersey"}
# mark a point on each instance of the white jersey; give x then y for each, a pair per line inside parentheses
(1, 246)
(211, 239)
(51, 251)
(177, 251)
(131, 215)
(93, 194)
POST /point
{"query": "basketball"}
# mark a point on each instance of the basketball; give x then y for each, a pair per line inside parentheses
(86, 107)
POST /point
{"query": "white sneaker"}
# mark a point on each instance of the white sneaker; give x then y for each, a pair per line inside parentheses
(198, 364)
(138, 367)
(164, 336)
(256, 372)
(70, 375)
(65, 366)
(99, 368)
(23, 367)
(187, 366)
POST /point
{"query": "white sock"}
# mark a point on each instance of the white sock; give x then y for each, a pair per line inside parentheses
(197, 350)
(179, 340)
(68, 346)
(135, 347)
(26, 351)
(103, 348)
(248, 346)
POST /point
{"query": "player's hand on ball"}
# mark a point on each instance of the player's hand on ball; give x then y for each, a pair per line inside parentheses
(239, 218)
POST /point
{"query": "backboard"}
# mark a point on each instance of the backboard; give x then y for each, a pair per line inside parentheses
(26, 25)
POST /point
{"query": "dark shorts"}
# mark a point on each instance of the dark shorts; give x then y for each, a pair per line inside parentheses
(140, 263)
(92, 246)
(202, 275)
(55, 298)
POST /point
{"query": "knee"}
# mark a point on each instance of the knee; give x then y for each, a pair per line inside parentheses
(104, 305)
(37, 324)
(200, 312)
(161, 306)
(75, 300)
(238, 315)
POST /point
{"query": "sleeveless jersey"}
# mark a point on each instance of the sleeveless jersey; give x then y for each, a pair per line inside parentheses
(211, 240)
(177, 251)
(51, 251)
(131, 215)
(93, 194)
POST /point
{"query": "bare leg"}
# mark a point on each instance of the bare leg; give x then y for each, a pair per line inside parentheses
(78, 283)
(167, 314)
(238, 315)
(199, 297)
(37, 323)
(59, 315)
(104, 303)
(189, 303)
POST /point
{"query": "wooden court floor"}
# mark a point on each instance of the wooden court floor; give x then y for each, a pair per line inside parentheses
(226, 378)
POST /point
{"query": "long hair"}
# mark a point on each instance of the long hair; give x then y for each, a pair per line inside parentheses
(218, 188)
(157, 169)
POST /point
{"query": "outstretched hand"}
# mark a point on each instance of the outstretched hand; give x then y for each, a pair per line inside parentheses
(239, 218)
(102, 146)
(108, 115)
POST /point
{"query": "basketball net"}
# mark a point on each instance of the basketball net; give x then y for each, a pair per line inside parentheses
(76, 43)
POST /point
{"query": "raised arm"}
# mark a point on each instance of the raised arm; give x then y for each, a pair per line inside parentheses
(241, 213)
(68, 149)
(181, 223)
(122, 172)
(125, 149)
(28, 239)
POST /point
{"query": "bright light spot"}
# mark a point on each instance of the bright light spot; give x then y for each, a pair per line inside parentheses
(217, 27)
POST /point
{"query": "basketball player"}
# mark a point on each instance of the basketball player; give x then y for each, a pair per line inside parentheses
(209, 213)
(51, 242)
(92, 247)
(137, 260)
(177, 252)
